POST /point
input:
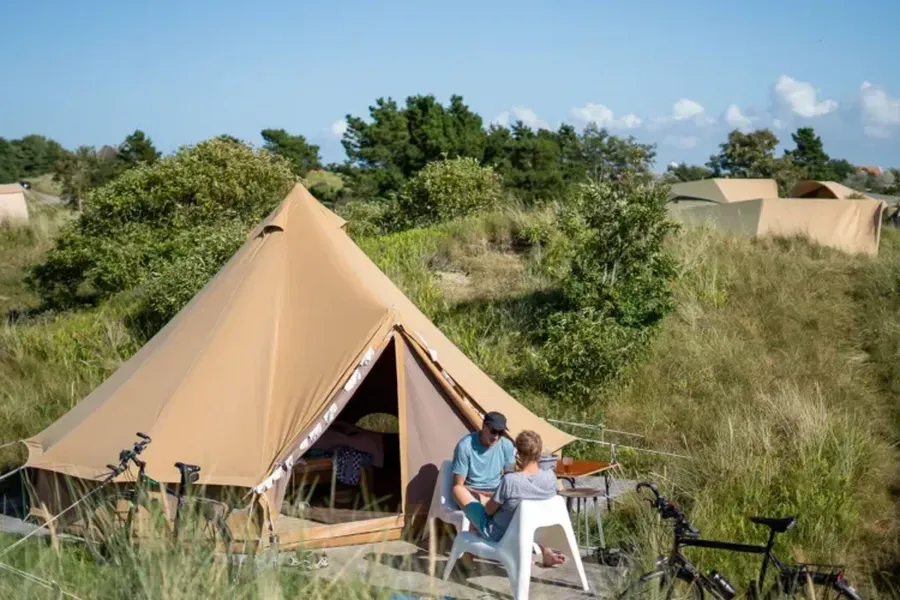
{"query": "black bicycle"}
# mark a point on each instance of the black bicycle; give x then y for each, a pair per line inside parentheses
(675, 577)
(215, 514)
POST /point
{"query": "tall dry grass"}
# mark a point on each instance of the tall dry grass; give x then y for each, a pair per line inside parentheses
(766, 377)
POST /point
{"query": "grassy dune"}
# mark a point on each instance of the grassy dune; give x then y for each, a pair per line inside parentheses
(775, 375)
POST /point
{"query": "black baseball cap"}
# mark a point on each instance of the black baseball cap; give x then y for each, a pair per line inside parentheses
(495, 420)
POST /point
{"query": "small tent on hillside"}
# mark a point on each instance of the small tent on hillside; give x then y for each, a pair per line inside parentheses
(13, 207)
(298, 338)
(853, 226)
(820, 210)
(722, 190)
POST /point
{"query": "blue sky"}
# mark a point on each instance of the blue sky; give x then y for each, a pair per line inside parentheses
(679, 74)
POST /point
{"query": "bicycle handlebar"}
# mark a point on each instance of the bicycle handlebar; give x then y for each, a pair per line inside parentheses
(669, 510)
(131, 455)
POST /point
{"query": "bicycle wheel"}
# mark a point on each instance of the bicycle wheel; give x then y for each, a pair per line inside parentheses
(661, 584)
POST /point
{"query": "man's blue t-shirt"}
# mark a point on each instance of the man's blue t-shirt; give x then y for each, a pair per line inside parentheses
(483, 467)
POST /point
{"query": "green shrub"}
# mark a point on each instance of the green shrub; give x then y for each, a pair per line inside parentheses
(448, 189)
(173, 282)
(326, 186)
(364, 219)
(584, 350)
(146, 218)
(614, 234)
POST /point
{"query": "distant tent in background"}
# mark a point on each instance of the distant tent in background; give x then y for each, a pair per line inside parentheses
(821, 210)
(278, 360)
(825, 189)
(13, 207)
(722, 191)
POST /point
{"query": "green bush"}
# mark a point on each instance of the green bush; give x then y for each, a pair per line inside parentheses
(156, 215)
(364, 219)
(172, 282)
(448, 189)
(584, 350)
(614, 233)
(327, 187)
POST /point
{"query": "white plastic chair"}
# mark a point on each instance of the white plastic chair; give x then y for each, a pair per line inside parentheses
(444, 508)
(514, 550)
(443, 505)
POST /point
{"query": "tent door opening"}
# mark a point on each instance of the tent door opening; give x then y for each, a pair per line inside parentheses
(350, 479)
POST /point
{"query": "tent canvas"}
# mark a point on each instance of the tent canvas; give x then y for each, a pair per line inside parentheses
(850, 225)
(13, 207)
(723, 190)
(250, 373)
(824, 189)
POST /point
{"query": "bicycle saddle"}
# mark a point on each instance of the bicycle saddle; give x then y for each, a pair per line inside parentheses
(776, 524)
(189, 473)
(186, 467)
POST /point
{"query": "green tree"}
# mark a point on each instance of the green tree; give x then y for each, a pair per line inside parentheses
(37, 154)
(10, 161)
(75, 174)
(617, 284)
(302, 155)
(809, 155)
(745, 155)
(151, 219)
(535, 160)
(398, 142)
(137, 148)
(608, 157)
(685, 172)
(448, 189)
(83, 170)
(752, 155)
(839, 169)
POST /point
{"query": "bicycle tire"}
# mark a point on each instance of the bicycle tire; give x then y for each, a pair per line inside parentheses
(643, 587)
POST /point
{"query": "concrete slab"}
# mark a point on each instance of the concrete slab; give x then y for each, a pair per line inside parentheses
(402, 567)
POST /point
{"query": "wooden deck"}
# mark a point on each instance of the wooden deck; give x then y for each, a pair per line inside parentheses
(323, 527)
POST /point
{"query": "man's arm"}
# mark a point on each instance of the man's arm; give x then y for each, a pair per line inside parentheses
(460, 469)
(497, 500)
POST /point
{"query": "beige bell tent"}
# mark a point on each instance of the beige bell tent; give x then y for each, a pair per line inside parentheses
(820, 211)
(722, 191)
(295, 342)
(13, 207)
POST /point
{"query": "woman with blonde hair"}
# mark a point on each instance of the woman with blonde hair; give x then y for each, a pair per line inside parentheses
(528, 482)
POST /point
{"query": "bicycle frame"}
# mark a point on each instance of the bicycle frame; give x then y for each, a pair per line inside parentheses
(682, 541)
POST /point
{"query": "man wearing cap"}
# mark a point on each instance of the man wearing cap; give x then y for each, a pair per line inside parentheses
(479, 460)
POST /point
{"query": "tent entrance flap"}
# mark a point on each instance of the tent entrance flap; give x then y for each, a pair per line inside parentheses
(352, 472)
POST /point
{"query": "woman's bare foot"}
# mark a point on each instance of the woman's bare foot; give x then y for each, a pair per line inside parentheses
(552, 558)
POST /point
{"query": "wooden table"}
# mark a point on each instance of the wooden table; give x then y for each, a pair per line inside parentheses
(585, 468)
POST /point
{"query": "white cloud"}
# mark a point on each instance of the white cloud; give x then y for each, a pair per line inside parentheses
(683, 111)
(735, 118)
(339, 127)
(686, 108)
(778, 124)
(521, 113)
(880, 111)
(801, 98)
(603, 116)
(682, 141)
